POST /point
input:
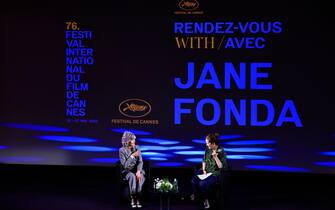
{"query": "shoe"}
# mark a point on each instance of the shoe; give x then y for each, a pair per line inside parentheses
(206, 204)
(132, 203)
(138, 204)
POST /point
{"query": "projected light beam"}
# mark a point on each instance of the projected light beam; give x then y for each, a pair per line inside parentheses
(158, 158)
(104, 160)
(190, 152)
(34, 127)
(89, 148)
(67, 139)
(180, 147)
(169, 164)
(276, 168)
(224, 137)
(162, 148)
(155, 154)
(249, 157)
(251, 142)
(194, 160)
(250, 149)
(327, 164)
(150, 147)
(158, 141)
(199, 141)
(330, 153)
(21, 159)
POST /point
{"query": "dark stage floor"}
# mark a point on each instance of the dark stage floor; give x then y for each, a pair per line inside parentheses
(96, 188)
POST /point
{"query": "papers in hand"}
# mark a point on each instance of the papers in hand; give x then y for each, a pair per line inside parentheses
(204, 176)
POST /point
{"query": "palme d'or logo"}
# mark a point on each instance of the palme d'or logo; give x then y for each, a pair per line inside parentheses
(134, 108)
(188, 5)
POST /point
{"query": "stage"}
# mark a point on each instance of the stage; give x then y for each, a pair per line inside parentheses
(76, 76)
(40, 187)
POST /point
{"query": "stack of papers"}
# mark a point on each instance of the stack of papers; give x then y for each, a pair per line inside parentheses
(204, 176)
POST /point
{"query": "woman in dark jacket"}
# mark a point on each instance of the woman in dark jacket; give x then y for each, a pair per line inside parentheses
(214, 160)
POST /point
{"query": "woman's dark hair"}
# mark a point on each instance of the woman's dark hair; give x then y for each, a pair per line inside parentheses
(213, 138)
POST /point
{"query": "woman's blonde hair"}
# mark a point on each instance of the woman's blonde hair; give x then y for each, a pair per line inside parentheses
(127, 136)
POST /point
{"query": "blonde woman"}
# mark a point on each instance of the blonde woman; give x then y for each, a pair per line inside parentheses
(132, 167)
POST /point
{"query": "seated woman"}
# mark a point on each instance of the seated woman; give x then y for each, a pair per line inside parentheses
(214, 160)
(132, 167)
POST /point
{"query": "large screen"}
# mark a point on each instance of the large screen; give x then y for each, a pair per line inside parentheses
(75, 77)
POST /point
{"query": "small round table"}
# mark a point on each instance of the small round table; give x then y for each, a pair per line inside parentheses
(164, 199)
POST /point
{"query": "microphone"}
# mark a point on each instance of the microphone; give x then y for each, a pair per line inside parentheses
(134, 149)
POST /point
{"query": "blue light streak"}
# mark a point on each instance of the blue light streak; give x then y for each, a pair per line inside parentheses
(251, 142)
(224, 137)
(199, 141)
(169, 164)
(249, 157)
(180, 147)
(330, 153)
(194, 160)
(67, 139)
(158, 158)
(248, 149)
(328, 164)
(3, 147)
(151, 147)
(190, 152)
(104, 160)
(162, 148)
(155, 154)
(21, 159)
(158, 141)
(35, 127)
(276, 168)
(89, 148)
(136, 132)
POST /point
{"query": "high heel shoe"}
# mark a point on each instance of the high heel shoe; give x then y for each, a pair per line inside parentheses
(138, 204)
(132, 203)
(206, 204)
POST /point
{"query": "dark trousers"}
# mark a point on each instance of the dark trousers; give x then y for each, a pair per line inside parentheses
(204, 187)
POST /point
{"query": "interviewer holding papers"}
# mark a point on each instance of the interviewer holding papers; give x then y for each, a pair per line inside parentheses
(214, 160)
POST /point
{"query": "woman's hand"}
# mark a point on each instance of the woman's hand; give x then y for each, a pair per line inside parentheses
(204, 172)
(216, 158)
(214, 154)
(135, 154)
(138, 175)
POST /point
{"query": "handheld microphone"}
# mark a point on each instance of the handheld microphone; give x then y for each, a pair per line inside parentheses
(134, 149)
